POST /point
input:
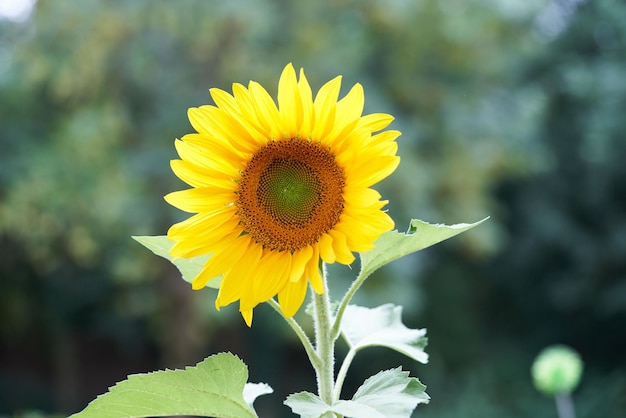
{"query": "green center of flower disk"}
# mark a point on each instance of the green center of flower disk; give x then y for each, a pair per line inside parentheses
(289, 191)
(290, 194)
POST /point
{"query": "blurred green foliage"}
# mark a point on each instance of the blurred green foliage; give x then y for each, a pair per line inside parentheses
(513, 109)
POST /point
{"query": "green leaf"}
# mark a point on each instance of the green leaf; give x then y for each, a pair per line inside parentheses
(188, 267)
(307, 404)
(214, 387)
(356, 410)
(393, 245)
(388, 394)
(382, 326)
(392, 393)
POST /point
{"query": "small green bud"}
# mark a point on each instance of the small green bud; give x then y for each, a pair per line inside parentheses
(557, 369)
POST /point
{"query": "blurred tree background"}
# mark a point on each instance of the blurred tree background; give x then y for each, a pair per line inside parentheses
(511, 109)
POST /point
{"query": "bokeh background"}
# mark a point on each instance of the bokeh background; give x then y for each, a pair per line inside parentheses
(513, 109)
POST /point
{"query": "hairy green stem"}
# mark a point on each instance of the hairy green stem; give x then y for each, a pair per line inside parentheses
(356, 284)
(315, 360)
(325, 346)
(341, 375)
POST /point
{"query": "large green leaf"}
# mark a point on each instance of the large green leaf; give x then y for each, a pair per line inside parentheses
(382, 326)
(188, 267)
(213, 388)
(393, 245)
(388, 394)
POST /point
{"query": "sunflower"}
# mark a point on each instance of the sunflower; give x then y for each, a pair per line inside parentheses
(276, 189)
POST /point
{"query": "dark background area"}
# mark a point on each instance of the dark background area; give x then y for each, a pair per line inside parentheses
(510, 109)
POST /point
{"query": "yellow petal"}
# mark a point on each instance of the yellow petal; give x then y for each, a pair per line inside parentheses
(224, 100)
(240, 110)
(349, 145)
(358, 238)
(313, 271)
(212, 148)
(374, 122)
(325, 108)
(273, 273)
(266, 110)
(200, 199)
(360, 196)
(201, 280)
(203, 226)
(221, 126)
(200, 176)
(371, 172)
(326, 249)
(306, 96)
(347, 117)
(386, 136)
(237, 282)
(249, 114)
(356, 143)
(247, 316)
(340, 247)
(199, 122)
(372, 224)
(299, 262)
(349, 110)
(193, 222)
(291, 297)
(221, 261)
(289, 102)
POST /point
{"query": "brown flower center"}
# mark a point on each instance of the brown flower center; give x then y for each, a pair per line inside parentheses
(290, 193)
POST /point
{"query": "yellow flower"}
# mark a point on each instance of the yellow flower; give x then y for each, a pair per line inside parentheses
(276, 189)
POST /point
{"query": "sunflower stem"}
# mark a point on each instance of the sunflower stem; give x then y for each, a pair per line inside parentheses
(343, 371)
(315, 360)
(336, 330)
(324, 344)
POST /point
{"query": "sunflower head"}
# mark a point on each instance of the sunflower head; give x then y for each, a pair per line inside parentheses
(277, 189)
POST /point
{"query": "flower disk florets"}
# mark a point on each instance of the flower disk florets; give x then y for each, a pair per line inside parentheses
(290, 193)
